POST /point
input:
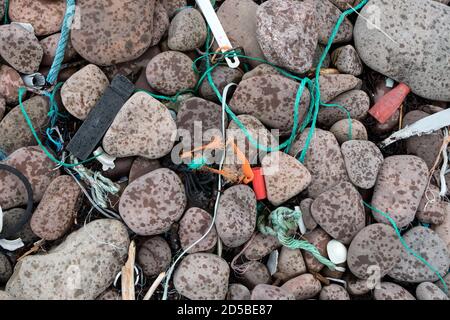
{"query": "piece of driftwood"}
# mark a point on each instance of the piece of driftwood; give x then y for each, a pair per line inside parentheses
(128, 274)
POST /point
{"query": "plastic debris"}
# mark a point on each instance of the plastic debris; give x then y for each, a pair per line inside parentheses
(389, 104)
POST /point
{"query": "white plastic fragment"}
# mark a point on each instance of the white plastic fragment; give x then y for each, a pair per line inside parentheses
(444, 167)
(300, 222)
(426, 125)
(11, 245)
(337, 252)
(27, 26)
(105, 159)
(272, 262)
(34, 80)
(219, 33)
(338, 281)
(389, 83)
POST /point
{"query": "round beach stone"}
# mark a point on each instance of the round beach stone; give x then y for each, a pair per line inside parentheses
(356, 102)
(161, 23)
(432, 209)
(443, 230)
(170, 72)
(287, 33)
(173, 6)
(81, 92)
(363, 160)
(238, 18)
(429, 291)
(270, 98)
(303, 287)
(319, 238)
(356, 286)
(187, 30)
(237, 291)
(392, 291)
(308, 220)
(5, 269)
(323, 160)
(193, 226)
(14, 216)
(261, 70)
(334, 292)
(143, 127)
(255, 273)
(49, 45)
(291, 263)
(415, 53)
(150, 204)
(400, 186)
(202, 276)
(35, 166)
(269, 292)
(80, 268)
(342, 127)
(142, 166)
(285, 177)
(154, 256)
(426, 243)
(236, 215)
(347, 60)
(375, 246)
(333, 85)
(46, 16)
(14, 130)
(20, 48)
(327, 17)
(110, 295)
(57, 210)
(340, 212)
(10, 82)
(221, 76)
(114, 31)
(260, 246)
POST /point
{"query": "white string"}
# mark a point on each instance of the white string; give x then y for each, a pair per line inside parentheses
(444, 167)
(216, 204)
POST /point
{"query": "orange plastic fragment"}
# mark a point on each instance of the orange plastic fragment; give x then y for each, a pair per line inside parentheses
(385, 108)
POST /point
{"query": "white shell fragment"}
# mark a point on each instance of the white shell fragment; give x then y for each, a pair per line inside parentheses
(272, 262)
(337, 252)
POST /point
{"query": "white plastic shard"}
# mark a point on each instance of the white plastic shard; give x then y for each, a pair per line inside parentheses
(105, 159)
(426, 125)
(219, 33)
(300, 222)
(337, 252)
(11, 245)
(272, 262)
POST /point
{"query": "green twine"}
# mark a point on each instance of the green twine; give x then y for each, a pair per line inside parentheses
(407, 247)
(284, 221)
(6, 7)
(197, 163)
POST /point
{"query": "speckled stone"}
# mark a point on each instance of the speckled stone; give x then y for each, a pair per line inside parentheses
(308, 220)
(347, 60)
(10, 82)
(81, 92)
(88, 261)
(340, 212)
(57, 210)
(151, 203)
(238, 18)
(287, 33)
(5, 269)
(221, 76)
(35, 166)
(161, 23)
(173, 6)
(375, 246)
(154, 256)
(187, 30)
(143, 127)
(341, 130)
(202, 276)
(443, 230)
(255, 273)
(303, 287)
(426, 146)
(49, 45)
(356, 286)
(332, 85)
(193, 226)
(5, 296)
(261, 70)
(14, 130)
(432, 209)
(236, 215)
(114, 31)
(356, 102)
(429, 291)
(285, 177)
(14, 216)
(291, 263)
(237, 291)
(260, 246)
(392, 291)
(334, 292)
(20, 48)
(363, 160)
(418, 52)
(269, 292)
(2, 107)
(46, 16)
(400, 186)
(319, 238)
(323, 160)
(170, 72)
(270, 98)
(142, 166)
(327, 17)
(426, 243)
(110, 295)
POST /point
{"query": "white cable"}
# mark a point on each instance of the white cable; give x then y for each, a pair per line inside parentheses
(444, 167)
(216, 204)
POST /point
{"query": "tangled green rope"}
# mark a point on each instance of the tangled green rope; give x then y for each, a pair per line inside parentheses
(284, 221)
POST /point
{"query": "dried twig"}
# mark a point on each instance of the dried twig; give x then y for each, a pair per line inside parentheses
(128, 274)
(155, 285)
